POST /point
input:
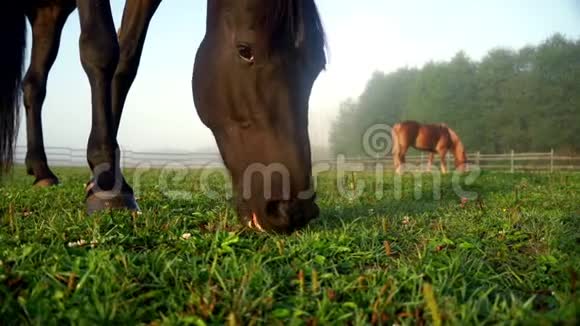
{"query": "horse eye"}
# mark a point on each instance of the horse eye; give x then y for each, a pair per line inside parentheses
(245, 52)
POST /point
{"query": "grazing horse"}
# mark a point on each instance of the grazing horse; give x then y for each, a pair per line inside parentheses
(434, 138)
(252, 79)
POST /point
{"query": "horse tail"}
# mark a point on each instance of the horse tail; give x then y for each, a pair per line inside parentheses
(13, 40)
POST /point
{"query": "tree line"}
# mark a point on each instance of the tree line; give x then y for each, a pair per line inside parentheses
(525, 100)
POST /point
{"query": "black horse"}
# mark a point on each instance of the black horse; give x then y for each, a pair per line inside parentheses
(252, 79)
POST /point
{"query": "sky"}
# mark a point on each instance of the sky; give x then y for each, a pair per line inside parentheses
(363, 36)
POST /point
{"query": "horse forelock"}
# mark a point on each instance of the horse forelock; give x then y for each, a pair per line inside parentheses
(293, 24)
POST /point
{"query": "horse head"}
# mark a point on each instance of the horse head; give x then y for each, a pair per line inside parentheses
(253, 75)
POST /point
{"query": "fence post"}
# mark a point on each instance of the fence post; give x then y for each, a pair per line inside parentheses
(477, 158)
(512, 161)
(551, 160)
(125, 158)
(421, 162)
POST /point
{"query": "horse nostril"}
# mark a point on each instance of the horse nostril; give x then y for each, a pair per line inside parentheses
(272, 207)
(277, 208)
(289, 215)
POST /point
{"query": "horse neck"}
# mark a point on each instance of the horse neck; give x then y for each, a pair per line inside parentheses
(456, 143)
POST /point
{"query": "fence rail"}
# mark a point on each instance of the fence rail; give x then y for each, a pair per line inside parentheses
(550, 162)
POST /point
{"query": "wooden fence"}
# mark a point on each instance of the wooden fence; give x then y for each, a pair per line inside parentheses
(508, 162)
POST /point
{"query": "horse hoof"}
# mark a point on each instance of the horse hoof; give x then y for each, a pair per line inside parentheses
(47, 182)
(106, 200)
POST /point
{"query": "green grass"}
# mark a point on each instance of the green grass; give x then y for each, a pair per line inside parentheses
(510, 257)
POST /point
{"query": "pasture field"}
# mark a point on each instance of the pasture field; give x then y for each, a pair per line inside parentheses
(510, 257)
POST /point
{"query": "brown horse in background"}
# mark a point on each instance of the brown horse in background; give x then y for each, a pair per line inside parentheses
(434, 138)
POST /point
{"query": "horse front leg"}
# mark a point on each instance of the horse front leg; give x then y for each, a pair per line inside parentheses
(430, 161)
(47, 23)
(99, 52)
(136, 18)
(443, 155)
(397, 163)
(399, 159)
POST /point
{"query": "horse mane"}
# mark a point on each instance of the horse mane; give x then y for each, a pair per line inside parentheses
(293, 24)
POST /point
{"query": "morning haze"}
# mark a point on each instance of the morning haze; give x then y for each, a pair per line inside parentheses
(363, 37)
